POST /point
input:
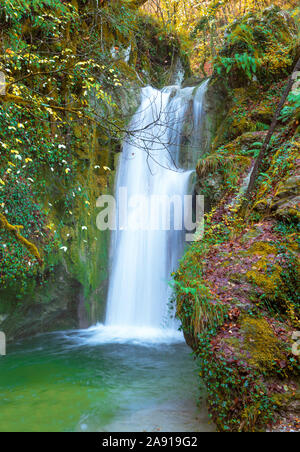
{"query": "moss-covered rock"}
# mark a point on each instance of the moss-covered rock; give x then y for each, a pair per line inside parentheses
(55, 305)
(247, 267)
(261, 46)
(246, 355)
(286, 201)
(261, 343)
(263, 114)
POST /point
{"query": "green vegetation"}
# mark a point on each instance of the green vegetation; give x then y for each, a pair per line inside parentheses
(258, 46)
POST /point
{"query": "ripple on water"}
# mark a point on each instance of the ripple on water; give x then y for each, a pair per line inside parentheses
(101, 380)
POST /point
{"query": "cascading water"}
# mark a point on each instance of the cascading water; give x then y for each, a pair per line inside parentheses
(144, 256)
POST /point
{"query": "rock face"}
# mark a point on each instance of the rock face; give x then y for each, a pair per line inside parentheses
(263, 115)
(55, 306)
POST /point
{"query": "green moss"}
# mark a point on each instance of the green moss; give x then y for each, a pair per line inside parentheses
(264, 273)
(262, 249)
(158, 51)
(127, 71)
(284, 400)
(241, 358)
(261, 343)
(276, 279)
(242, 125)
(267, 281)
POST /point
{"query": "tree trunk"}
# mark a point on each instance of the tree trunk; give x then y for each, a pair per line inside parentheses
(138, 3)
(135, 3)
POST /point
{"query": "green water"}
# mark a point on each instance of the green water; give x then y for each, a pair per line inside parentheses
(57, 382)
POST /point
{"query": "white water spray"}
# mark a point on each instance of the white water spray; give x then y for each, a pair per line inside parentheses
(143, 260)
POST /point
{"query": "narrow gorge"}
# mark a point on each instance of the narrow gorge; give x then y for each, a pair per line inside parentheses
(149, 216)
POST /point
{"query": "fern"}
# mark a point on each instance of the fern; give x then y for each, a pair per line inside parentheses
(214, 162)
(293, 107)
(244, 61)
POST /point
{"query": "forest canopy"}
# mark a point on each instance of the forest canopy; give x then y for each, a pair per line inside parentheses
(203, 24)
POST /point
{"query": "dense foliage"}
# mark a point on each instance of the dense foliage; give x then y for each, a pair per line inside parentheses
(69, 68)
(206, 22)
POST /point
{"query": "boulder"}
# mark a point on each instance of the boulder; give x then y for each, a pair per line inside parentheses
(286, 202)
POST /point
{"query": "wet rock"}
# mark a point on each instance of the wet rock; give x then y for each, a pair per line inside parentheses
(211, 188)
(192, 81)
(249, 138)
(53, 306)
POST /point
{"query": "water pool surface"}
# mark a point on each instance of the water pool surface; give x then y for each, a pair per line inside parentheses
(66, 382)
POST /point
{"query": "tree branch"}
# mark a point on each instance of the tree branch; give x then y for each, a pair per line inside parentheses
(15, 230)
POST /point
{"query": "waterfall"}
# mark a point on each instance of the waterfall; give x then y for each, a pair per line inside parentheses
(198, 120)
(143, 258)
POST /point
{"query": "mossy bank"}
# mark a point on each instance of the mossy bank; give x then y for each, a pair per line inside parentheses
(237, 290)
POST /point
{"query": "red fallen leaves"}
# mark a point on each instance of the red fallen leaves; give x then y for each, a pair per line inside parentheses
(286, 425)
(229, 258)
(234, 314)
